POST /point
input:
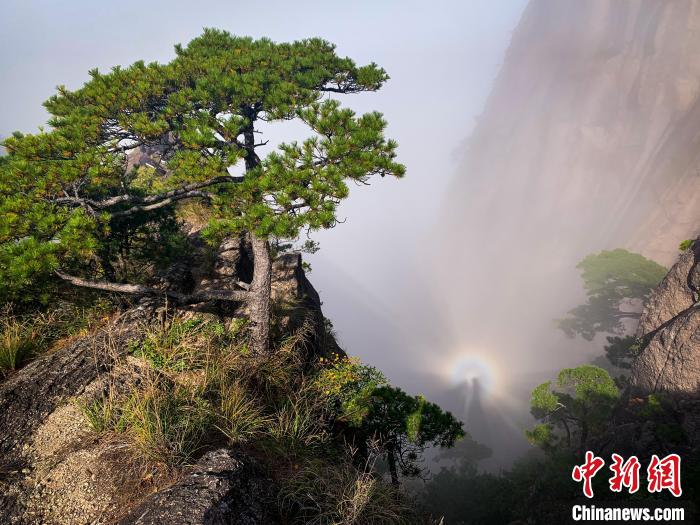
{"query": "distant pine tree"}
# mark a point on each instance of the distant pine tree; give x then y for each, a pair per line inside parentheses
(611, 279)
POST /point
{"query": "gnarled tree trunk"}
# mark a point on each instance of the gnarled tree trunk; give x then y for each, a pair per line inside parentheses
(259, 298)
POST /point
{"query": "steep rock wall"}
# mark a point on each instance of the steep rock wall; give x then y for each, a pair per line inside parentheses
(591, 135)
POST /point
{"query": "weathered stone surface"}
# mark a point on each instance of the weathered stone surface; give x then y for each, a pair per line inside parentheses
(29, 396)
(37, 399)
(590, 134)
(296, 301)
(670, 361)
(669, 330)
(675, 293)
(222, 488)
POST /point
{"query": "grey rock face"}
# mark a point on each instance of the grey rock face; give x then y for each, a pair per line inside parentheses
(295, 299)
(223, 488)
(675, 294)
(670, 328)
(40, 390)
(670, 362)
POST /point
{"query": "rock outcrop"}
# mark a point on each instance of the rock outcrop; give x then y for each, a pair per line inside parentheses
(669, 330)
(53, 470)
(222, 488)
(295, 300)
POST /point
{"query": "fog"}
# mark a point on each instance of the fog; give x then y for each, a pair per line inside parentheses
(449, 279)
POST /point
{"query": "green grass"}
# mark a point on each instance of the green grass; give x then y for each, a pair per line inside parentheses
(183, 344)
(166, 425)
(299, 423)
(240, 416)
(19, 341)
(102, 413)
(27, 336)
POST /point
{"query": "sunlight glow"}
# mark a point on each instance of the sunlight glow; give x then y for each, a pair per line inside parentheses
(466, 366)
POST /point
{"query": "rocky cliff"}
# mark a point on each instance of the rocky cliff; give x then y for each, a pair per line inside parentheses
(669, 331)
(591, 134)
(659, 412)
(54, 469)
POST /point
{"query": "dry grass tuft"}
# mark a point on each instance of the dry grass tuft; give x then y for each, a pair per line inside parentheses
(341, 493)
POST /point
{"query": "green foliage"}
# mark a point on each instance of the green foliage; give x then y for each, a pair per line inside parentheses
(660, 414)
(349, 386)
(541, 435)
(401, 425)
(620, 351)
(652, 407)
(405, 425)
(198, 388)
(686, 244)
(578, 408)
(181, 344)
(611, 279)
(72, 199)
(394, 414)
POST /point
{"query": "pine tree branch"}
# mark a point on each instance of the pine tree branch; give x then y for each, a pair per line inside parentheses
(152, 201)
(138, 289)
(161, 204)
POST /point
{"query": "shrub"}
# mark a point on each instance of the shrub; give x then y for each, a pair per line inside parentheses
(349, 386)
(686, 244)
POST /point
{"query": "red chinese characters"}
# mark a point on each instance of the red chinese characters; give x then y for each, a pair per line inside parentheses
(665, 474)
(625, 474)
(662, 474)
(587, 471)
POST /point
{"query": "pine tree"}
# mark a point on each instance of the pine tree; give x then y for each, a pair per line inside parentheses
(64, 192)
(615, 281)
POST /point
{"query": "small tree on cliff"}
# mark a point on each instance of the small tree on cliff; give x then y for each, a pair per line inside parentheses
(405, 425)
(194, 120)
(616, 282)
(578, 408)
